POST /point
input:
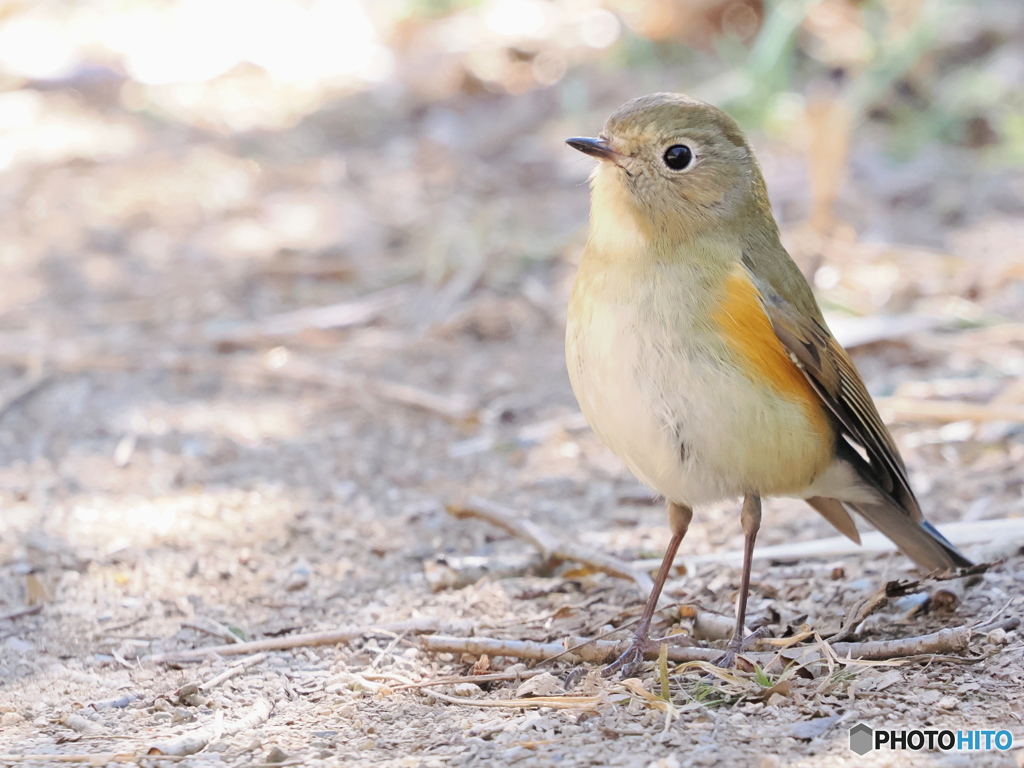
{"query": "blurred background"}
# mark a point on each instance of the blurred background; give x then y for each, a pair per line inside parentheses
(282, 278)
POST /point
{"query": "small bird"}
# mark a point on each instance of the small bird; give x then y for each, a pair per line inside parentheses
(699, 355)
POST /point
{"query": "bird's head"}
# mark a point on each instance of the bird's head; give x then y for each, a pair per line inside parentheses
(679, 167)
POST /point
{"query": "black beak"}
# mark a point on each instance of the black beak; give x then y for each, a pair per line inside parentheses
(599, 148)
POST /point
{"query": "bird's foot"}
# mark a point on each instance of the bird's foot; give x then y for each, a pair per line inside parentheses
(737, 646)
(629, 662)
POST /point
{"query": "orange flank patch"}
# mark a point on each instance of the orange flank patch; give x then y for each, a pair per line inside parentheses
(748, 332)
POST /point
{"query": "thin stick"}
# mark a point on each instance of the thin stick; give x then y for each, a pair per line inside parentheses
(869, 604)
(235, 669)
(493, 677)
(30, 610)
(197, 740)
(548, 544)
(950, 640)
(93, 758)
(595, 651)
(600, 651)
(454, 408)
(306, 640)
(534, 702)
(216, 629)
(982, 531)
(346, 314)
(993, 619)
(17, 394)
(909, 409)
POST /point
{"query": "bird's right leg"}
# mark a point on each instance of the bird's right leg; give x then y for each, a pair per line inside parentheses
(679, 521)
(750, 517)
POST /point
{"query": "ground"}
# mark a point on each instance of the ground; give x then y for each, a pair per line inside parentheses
(183, 462)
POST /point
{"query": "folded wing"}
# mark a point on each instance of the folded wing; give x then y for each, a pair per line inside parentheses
(868, 446)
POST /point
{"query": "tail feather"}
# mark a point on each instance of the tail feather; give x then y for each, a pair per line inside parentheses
(834, 511)
(899, 517)
(919, 541)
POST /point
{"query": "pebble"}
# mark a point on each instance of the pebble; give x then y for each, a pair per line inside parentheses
(929, 696)
(276, 755)
(11, 718)
(996, 637)
(514, 753)
(162, 705)
(948, 702)
(17, 645)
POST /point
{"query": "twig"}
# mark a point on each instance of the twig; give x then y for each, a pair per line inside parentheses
(600, 651)
(909, 409)
(542, 430)
(493, 677)
(119, 702)
(533, 702)
(950, 640)
(548, 544)
(70, 358)
(197, 740)
(869, 604)
(857, 331)
(993, 619)
(453, 408)
(583, 649)
(454, 572)
(346, 314)
(125, 625)
(21, 391)
(30, 610)
(1007, 625)
(306, 640)
(712, 626)
(93, 758)
(235, 669)
(84, 725)
(216, 629)
(872, 542)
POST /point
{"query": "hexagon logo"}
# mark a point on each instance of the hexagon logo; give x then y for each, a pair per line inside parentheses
(862, 739)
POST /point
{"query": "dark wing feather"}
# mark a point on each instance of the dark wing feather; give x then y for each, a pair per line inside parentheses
(789, 303)
(834, 377)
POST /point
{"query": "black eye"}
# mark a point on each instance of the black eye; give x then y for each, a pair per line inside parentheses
(678, 157)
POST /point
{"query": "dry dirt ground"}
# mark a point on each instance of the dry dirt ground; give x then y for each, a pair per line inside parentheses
(181, 466)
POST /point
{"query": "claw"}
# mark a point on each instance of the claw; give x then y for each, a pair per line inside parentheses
(737, 646)
(628, 662)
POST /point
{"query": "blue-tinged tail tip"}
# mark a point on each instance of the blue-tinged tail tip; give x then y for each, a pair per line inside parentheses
(954, 553)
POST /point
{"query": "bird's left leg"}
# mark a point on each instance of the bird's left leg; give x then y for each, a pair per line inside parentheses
(750, 518)
(679, 521)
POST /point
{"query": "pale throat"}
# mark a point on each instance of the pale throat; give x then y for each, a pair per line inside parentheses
(615, 230)
(618, 234)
